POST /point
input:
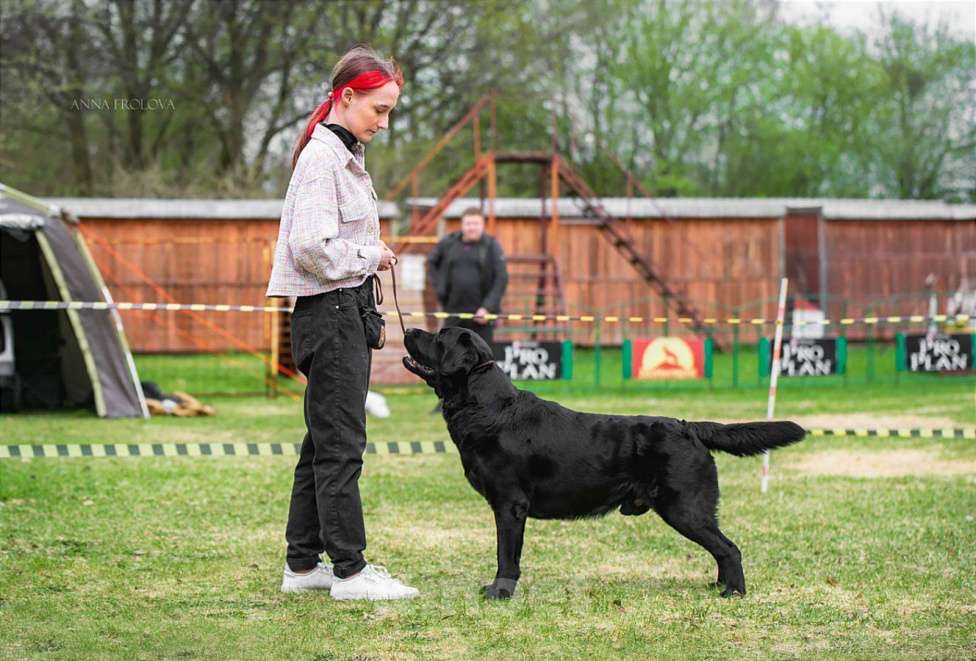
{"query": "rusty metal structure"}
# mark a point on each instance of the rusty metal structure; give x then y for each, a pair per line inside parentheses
(540, 282)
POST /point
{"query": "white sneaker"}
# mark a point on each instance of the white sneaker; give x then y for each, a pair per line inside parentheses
(372, 583)
(320, 578)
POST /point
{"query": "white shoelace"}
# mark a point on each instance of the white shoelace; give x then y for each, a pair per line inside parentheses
(380, 571)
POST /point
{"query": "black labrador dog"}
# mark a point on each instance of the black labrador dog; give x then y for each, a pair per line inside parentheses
(532, 457)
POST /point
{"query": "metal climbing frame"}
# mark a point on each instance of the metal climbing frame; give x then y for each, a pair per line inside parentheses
(540, 283)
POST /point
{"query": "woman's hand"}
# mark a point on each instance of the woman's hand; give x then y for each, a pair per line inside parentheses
(387, 258)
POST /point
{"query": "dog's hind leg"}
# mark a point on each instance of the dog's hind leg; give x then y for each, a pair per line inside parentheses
(693, 515)
(722, 580)
(510, 529)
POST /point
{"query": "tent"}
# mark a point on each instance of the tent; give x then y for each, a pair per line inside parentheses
(55, 359)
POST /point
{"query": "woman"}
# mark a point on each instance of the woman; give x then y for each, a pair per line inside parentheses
(328, 251)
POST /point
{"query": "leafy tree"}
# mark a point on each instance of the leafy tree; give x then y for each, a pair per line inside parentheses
(697, 97)
(926, 119)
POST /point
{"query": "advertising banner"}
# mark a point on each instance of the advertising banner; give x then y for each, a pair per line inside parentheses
(809, 357)
(667, 358)
(939, 353)
(539, 361)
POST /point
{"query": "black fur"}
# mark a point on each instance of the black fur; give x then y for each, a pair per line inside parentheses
(530, 457)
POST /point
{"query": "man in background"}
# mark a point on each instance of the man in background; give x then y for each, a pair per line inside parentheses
(470, 274)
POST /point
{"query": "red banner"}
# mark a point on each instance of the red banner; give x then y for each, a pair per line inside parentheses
(668, 358)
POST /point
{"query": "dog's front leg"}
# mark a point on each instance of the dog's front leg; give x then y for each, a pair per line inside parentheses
(510, 529)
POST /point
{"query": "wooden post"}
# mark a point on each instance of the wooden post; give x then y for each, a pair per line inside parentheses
(270, 332)
(476, 125)
(493, 125)
(415, 210)
(629, 221)
(555, 136)
(544, 187)
(491, 193)
(275, 344)
(553, 240)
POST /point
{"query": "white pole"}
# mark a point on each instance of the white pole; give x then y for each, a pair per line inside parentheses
(774, 376)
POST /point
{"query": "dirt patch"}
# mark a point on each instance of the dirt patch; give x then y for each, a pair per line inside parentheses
(436, 537)
(635, 568)
(187, 434)
(868, 421)
(280, 408)
(887, 463)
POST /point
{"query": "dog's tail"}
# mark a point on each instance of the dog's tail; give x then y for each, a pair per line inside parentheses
(747, 438)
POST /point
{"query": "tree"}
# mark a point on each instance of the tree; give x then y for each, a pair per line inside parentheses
(804, 130)
(681, 68)
(47, 68)
(926, 119)
(697, 97)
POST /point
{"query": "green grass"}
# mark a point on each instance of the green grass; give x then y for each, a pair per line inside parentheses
(181, 557)
(204, 374)
(260, 420)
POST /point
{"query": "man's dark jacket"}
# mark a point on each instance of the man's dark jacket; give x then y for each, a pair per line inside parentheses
(486, 256)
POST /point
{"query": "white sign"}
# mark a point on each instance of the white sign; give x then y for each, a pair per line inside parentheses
(411, 272)
(808, 324)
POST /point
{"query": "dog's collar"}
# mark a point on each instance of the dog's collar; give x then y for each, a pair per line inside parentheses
(483, 367)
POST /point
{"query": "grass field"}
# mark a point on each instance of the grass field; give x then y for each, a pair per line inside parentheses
(863, 548)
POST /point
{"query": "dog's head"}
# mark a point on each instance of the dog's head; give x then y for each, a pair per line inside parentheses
(446, 359)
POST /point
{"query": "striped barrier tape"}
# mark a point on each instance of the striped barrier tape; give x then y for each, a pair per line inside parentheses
(957, 432)
(585, 318)
(79, 450)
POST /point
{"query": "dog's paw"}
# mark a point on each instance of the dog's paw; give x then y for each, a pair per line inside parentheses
(501, 588)
(491, 592)
(734, 592)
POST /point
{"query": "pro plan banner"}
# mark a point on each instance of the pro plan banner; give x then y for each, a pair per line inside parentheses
(808, 357)
(666, 358)
(939, 353)
(538, 361)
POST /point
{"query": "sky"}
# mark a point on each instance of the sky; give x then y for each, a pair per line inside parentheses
(960, 15)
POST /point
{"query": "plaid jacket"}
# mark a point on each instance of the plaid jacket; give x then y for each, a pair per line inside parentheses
(329, 232)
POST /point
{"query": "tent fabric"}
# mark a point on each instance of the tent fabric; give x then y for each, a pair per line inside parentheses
(93, 340)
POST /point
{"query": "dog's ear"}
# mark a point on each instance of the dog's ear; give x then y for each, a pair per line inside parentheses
(459, 358)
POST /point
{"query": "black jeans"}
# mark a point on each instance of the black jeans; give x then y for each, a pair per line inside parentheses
(486, 331)
(326, 513)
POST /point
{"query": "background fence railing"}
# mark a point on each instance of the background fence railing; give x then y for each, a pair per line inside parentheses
(872, 352)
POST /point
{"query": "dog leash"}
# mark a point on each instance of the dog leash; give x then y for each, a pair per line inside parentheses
(378, 294)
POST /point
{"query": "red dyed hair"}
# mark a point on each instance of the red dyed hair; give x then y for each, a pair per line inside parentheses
(360, 69)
